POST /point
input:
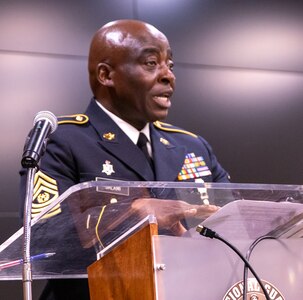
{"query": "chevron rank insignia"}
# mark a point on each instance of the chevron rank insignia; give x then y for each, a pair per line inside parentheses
(45, 192)
(193, 167)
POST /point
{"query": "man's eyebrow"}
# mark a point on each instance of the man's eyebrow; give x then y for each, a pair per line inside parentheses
(155, 50)
(150, 50)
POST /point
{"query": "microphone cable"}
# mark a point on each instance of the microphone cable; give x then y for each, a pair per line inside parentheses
(248, 254)
(204, 231)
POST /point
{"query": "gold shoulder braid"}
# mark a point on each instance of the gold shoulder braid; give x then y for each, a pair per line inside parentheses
(45, 192)
(171, 128)
(73, 119)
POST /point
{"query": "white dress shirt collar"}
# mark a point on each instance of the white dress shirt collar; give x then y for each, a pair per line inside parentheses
(129, 130)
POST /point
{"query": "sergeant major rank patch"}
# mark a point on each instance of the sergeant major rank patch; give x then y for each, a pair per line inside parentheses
(193, 167)
(45, 192)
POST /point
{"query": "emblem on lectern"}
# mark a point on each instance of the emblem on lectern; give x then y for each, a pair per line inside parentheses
(254, 291)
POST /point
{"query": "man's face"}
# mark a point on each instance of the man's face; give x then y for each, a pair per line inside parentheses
(143, 81)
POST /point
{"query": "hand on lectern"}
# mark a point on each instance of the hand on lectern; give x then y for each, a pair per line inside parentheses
(169, 213)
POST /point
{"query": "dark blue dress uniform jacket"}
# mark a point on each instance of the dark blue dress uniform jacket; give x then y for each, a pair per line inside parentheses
(84, 145)
(77, 152)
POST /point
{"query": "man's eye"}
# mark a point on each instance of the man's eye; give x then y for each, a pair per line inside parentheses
(171, 65)
(151, 63)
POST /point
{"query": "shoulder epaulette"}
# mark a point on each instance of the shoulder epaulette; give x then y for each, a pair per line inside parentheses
(73, 119)
(171, 128)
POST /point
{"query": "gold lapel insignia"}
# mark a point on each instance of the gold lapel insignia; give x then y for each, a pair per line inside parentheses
(45, 192)
(164, 141)
(109, 136)
(108, 168)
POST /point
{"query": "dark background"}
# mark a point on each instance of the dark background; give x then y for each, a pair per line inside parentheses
(239, 81)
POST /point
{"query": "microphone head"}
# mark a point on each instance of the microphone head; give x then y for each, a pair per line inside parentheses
(49, 117)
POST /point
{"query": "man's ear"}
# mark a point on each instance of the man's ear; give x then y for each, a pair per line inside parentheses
(104, 74)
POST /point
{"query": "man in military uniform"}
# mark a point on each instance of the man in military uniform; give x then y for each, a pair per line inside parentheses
(131, 76)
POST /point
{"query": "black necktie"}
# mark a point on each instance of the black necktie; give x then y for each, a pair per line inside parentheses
(142, 144)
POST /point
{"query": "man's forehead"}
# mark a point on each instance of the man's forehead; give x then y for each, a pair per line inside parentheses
(117, 34)
(143, 42)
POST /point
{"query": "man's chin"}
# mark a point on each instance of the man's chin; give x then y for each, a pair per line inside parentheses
(160, 116)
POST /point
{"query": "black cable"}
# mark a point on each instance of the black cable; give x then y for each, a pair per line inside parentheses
(248, 253)
(213, 235)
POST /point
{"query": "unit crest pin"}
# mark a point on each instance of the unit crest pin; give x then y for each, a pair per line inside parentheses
(108, 168)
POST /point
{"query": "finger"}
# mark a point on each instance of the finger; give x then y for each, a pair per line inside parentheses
(206, 210)
(178, 229)
(188, 213)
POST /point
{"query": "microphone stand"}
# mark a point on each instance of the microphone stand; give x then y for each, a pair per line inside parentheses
(45, 123)
(27, 268)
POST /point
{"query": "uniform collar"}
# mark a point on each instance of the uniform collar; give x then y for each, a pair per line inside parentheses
(129, 130)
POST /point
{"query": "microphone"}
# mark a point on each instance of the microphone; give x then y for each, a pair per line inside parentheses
(45, 123)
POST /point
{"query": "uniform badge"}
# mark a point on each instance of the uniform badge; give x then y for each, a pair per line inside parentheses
(109, 136)
(45, 192)
(193, 167)
(164, 141)
(108, 168)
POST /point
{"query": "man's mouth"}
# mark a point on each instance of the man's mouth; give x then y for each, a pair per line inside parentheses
(162, 101)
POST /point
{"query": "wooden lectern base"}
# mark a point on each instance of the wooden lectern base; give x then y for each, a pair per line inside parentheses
(127, 272)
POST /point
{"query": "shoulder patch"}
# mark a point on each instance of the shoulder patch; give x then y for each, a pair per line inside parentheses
(73, 119)
(45, 192)
(171, 128)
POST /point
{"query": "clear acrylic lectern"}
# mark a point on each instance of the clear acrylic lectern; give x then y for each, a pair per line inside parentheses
(138, 240)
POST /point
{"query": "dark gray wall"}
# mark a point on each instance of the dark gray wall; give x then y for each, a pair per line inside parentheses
(239, 79)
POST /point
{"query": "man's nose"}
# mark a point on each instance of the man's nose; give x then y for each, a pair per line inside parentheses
(166, 75)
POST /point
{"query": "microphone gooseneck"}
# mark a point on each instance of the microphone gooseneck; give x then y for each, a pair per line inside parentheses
(45, 123)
